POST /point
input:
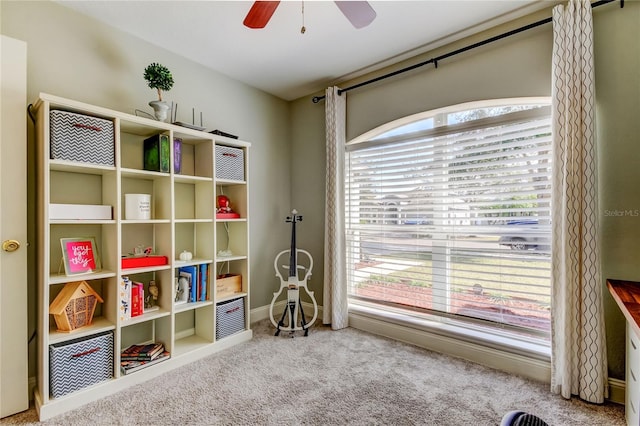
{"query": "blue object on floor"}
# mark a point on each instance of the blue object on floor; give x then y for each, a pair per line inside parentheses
(520, 418)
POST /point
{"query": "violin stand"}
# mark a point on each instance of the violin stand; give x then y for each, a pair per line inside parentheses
(293, 303)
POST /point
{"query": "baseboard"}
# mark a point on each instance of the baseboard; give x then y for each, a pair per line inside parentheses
(262, 312)
(617, 391)
(32, 387)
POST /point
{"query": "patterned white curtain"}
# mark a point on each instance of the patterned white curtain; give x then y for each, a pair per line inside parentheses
(579, 361)
(335, 275)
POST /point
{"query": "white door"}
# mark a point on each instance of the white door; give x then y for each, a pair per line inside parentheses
(14, 388)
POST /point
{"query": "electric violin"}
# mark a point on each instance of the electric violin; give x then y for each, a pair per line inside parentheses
(293, 284)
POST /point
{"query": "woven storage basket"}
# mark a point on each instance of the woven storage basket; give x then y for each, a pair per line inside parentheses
(229, 163)
(79, 363)
(229, 317)
(82, 138)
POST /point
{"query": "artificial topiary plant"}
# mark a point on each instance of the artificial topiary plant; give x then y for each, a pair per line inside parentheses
(158, 77)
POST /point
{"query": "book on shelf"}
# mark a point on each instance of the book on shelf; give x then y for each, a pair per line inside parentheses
(124, 294)
(147, 352)
(204, 269)
(177, 155)
(137, 299)
(157, 152)
(127, 367)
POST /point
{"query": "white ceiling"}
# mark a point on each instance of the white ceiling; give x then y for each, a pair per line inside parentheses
(279, 59)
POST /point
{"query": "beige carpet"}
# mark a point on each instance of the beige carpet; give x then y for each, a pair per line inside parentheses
(330, 378)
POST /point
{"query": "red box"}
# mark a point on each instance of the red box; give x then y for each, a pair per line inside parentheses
(141, 262)
(227, 216)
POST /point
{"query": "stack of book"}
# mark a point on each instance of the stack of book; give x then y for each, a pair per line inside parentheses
(137, 357)
(198, 283)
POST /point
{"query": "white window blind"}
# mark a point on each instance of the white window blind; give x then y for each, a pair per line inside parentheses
(455, 219)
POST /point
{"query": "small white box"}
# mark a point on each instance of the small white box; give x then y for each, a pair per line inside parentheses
(79, 212)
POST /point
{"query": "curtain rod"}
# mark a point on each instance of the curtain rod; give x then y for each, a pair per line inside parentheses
(435, 60)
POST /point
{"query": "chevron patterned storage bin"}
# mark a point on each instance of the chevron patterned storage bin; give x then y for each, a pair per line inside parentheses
(229, 317)
(79, 363)
(82, 138)
(229, 163)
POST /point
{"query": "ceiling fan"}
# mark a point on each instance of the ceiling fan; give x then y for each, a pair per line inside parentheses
(359, 13)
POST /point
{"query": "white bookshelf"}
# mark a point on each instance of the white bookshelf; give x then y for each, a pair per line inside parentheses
(183, 217)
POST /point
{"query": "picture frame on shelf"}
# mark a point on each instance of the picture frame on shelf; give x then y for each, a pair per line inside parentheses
(80, 255)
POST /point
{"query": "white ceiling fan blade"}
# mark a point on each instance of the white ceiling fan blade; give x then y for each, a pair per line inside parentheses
(359, 13)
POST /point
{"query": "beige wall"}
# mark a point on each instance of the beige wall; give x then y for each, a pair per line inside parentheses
(79, 58)
(517, 66)
(617, 59)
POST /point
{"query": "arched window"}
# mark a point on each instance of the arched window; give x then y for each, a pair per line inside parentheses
(448, 213)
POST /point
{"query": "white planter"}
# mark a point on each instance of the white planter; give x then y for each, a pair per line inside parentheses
(160, 109)
(137, 206)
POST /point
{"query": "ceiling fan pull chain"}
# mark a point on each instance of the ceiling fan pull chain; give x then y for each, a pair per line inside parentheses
(303, 29)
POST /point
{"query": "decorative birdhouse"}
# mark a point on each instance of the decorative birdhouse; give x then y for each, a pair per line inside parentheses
(74, 306)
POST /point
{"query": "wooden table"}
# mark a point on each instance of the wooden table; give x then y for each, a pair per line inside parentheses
(627, 295)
